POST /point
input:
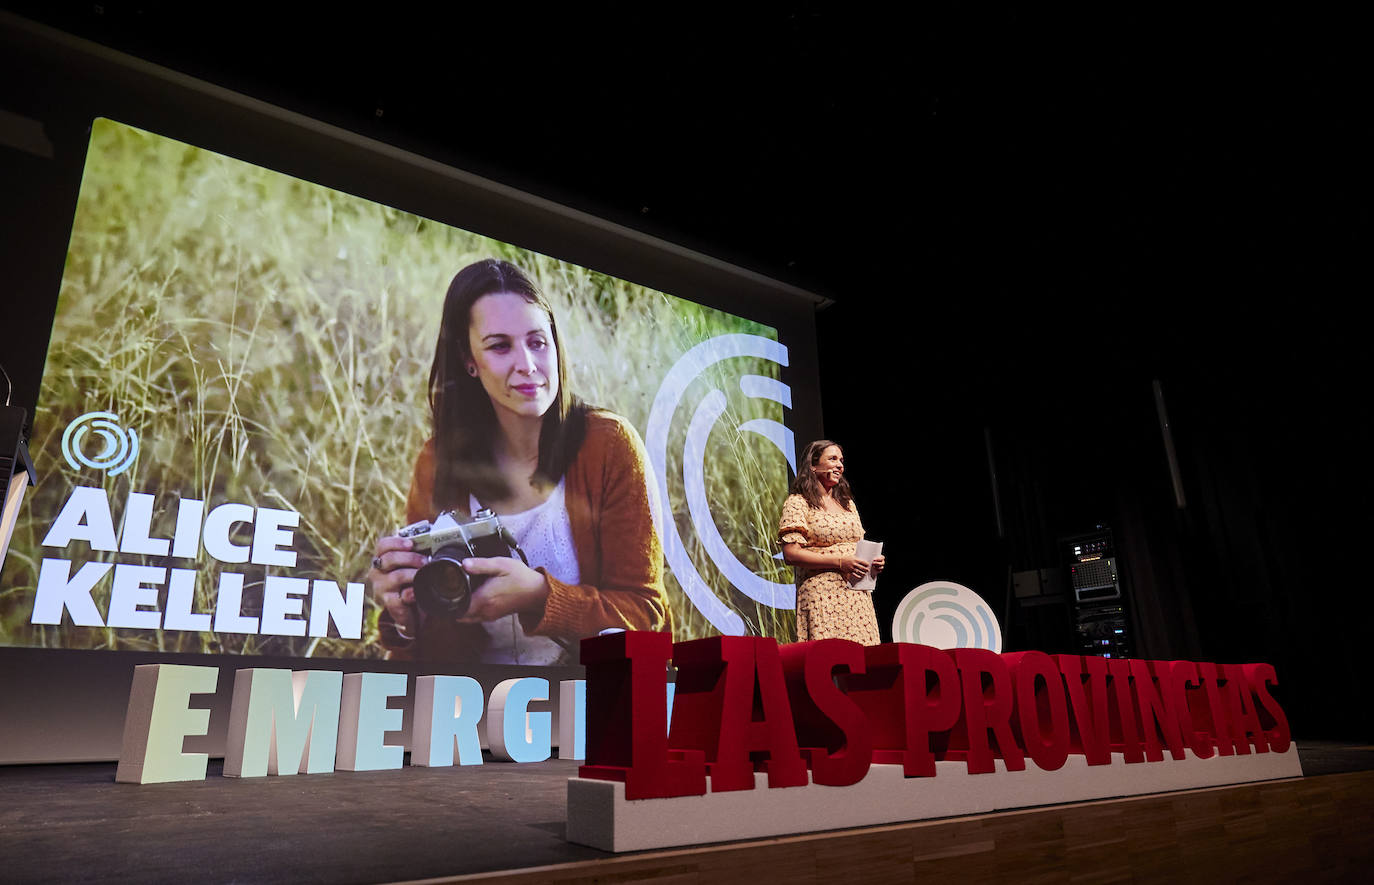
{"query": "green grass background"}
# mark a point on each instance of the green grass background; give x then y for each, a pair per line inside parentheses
(270, 341)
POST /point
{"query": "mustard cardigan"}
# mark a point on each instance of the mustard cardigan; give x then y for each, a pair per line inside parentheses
(619, 555)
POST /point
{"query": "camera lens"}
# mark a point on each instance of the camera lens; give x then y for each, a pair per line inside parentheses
(441, 586)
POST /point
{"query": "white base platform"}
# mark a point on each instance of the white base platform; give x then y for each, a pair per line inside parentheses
(600, 816)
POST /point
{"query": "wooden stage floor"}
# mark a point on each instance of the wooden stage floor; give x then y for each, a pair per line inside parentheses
(60, 823)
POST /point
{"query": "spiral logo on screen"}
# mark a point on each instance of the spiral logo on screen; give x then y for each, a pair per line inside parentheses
(707, 413)
(943, 614)
(119, 449)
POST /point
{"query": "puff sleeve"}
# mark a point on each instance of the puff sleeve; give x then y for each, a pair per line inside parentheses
(793, 527)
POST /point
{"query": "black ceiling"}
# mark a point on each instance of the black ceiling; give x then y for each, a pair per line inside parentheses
(1103, 155)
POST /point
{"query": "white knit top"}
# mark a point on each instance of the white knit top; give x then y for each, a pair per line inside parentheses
(545, 534)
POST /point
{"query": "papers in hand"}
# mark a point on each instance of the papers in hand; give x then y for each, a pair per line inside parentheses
(868, 550)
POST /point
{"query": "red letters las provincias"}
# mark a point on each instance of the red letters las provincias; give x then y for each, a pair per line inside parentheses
(826, 710)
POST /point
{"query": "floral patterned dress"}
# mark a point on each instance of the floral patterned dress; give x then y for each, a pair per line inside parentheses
(827, 607)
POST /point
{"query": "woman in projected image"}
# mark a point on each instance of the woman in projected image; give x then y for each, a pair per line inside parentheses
(819, 530)
(567, 481)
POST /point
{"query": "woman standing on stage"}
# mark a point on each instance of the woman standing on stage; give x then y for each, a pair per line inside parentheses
(566, 479)
(819, 530)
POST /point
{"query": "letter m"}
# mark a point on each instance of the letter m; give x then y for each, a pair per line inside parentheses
(283, 722)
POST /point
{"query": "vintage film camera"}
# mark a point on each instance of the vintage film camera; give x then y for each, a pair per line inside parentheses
(442, 588)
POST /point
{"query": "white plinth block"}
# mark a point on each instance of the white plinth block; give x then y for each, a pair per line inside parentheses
(600, 816)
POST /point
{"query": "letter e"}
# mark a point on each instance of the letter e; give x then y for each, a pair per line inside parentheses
(158, 720)
(365, 718)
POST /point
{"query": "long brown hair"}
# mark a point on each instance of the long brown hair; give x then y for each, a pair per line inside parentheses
(810, 488)
(464, 419)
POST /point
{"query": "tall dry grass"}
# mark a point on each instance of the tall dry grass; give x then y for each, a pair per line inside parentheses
(270, 339)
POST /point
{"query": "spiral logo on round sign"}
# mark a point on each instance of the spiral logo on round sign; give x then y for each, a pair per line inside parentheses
(118, 448)
(708, 411)
(943, 614)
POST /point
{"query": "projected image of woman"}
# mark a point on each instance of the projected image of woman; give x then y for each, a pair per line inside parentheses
(566, 479)
(819, 530)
